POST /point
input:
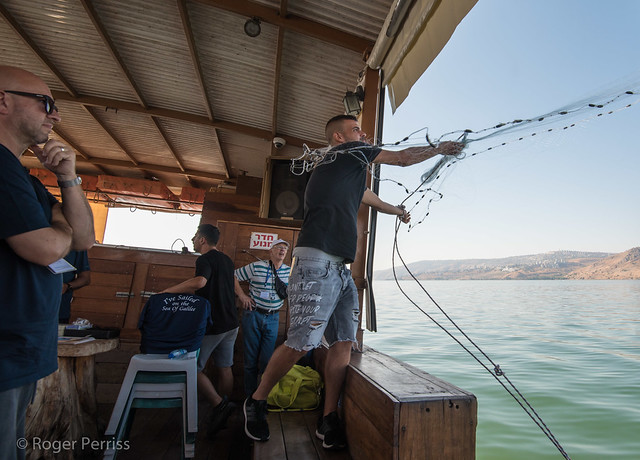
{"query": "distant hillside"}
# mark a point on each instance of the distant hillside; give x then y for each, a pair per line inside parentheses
(623, 266)
(550, 265)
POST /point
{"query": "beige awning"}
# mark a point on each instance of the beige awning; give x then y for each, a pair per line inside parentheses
(405, 55)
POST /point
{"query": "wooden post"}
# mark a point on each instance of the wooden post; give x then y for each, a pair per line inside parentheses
(368, 123)
(64, 408)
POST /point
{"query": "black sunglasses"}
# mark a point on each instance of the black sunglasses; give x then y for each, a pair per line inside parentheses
(49, 103)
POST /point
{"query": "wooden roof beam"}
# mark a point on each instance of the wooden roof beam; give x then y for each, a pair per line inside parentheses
(76, 148)
(195, 58)
(93, 16)
(113, 137)
(276, 82)
(172, 149)
(155, 168)
(188, 32)
(182, 116)
(293, 23)
(284, 4)
(36, 50)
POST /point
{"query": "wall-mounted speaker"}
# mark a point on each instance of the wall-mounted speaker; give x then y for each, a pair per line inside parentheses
(282, 191)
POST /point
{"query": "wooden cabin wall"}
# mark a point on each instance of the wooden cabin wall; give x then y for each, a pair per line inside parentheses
(122, 279)
(235, 237)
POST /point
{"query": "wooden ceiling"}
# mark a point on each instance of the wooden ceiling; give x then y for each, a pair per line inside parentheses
(175, 91)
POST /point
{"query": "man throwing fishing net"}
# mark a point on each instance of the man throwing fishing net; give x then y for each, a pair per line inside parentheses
(323, 298)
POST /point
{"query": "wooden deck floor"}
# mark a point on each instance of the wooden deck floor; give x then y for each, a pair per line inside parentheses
(293, 437)
(156, 434)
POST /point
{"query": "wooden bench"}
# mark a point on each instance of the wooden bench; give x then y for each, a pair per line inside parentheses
(396, 411)
(392, 410)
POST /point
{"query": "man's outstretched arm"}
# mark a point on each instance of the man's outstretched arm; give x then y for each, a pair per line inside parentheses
(414, 155)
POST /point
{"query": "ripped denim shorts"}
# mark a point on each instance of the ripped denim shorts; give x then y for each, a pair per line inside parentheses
(323, 300)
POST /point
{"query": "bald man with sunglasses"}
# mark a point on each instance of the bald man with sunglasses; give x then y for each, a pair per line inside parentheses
(35, 232)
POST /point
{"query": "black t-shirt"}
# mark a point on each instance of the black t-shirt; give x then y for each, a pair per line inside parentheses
(217, 268)
(332, 198)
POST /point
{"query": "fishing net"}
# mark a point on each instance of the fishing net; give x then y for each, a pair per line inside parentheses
(419, 198)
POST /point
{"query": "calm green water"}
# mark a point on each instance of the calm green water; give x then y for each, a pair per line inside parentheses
(572, 348)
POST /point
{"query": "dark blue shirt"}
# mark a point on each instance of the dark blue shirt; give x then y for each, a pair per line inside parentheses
(30, 293)
(172, 321)
(80, 260)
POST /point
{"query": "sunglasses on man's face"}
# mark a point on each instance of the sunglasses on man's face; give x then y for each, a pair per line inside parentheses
(49, 103)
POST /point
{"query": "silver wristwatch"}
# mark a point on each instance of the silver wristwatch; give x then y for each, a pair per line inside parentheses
(70, 183)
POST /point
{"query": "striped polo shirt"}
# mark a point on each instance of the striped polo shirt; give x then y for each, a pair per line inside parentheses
(261, 283)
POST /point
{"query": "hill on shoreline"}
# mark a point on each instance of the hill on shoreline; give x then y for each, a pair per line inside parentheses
(547, 266)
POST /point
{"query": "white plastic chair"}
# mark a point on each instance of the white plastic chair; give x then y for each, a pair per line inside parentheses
(154, 381)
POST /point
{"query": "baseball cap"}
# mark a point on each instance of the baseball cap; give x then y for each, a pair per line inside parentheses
(280, 241)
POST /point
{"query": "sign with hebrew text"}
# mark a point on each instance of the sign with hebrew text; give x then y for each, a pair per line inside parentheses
(262, 240)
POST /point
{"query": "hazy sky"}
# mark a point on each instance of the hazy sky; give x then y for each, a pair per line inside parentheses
(509, 59)
(577, 189)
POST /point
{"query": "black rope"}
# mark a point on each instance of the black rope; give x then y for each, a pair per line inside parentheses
(496, 371)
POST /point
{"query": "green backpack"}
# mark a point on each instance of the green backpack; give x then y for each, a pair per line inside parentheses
(299, 389)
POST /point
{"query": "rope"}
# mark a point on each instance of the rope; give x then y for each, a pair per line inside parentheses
(494, 369)
(428, 190)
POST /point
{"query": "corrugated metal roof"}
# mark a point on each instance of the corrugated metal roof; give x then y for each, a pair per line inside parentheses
(136, 102)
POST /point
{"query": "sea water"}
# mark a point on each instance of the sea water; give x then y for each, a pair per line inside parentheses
(572, 348)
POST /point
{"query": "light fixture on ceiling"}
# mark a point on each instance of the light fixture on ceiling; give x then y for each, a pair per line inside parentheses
(352, 101)
(252, 27)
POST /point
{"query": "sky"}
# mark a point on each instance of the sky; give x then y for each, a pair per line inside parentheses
(508, 59)
(147, 229)
(577, 189)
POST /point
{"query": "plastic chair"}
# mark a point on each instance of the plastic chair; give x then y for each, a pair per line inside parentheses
(154, 381)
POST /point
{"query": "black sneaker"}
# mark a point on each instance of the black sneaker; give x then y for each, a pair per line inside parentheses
(219, 415)
(329, 429)
(255, 419)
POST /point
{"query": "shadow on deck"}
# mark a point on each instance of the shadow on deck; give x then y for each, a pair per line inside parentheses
(156, 433)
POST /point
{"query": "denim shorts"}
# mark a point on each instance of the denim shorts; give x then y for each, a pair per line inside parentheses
(323, 300)
(220, 346)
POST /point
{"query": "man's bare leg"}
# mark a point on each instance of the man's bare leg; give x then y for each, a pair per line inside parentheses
(335, 370)
(221, 408)
(224, 380)
(282, 360)
(206, 389)
(255, 407)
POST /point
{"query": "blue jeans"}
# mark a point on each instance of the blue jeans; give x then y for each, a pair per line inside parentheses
(14, 404)
(323, 300)
(260, 331)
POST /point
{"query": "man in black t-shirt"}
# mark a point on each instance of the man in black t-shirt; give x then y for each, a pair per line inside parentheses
(323, 298)
(213, 280)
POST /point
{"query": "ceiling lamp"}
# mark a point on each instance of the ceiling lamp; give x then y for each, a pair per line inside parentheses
(352, 101)
(252, 27)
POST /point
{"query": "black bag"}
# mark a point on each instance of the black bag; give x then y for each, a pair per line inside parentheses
(280, 286)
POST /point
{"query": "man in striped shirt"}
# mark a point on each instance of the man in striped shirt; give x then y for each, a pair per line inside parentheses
(260, 318)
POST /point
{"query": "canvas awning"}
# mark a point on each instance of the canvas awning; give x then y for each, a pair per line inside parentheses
(413, 34)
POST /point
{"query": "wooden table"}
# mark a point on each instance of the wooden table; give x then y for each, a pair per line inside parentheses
(64, 409)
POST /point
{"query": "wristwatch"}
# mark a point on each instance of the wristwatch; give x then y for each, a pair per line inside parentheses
(70, 183)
